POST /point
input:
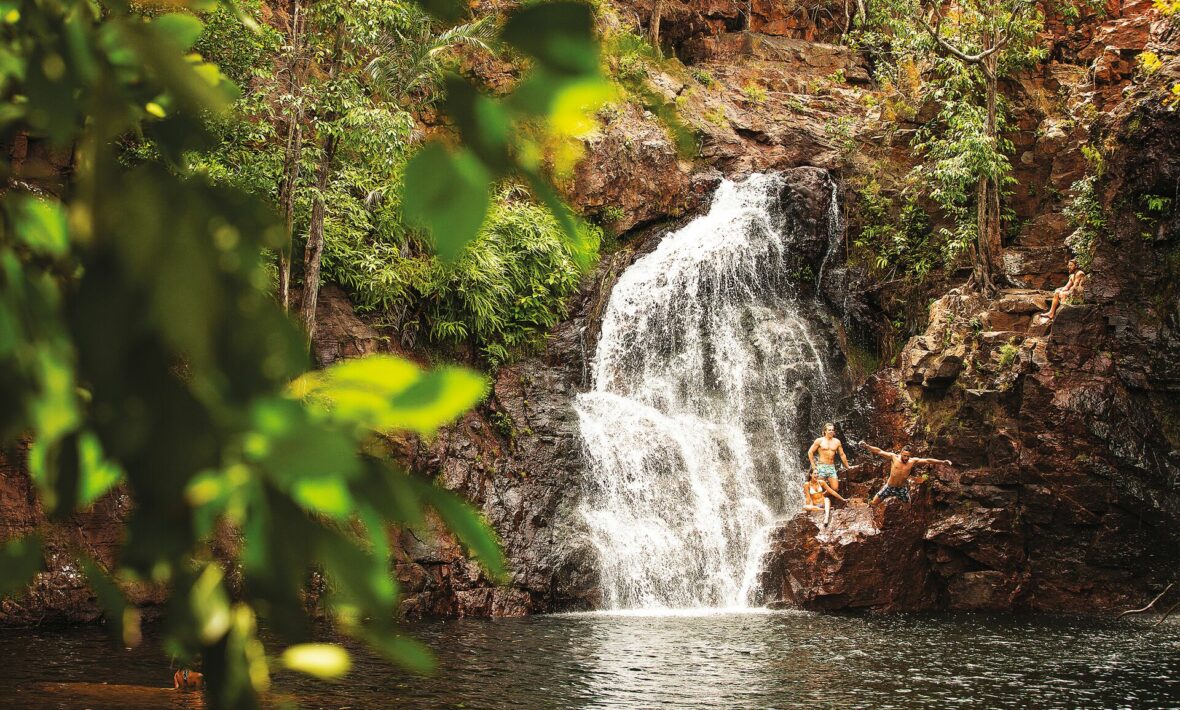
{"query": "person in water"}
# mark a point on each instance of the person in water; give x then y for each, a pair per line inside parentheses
(1073, 293)
(827, 446)
(900, 465)
(815, 496)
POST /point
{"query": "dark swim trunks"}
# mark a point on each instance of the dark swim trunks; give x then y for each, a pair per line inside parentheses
(900, 492)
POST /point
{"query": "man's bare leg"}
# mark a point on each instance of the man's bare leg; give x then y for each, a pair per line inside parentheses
(1052, 312)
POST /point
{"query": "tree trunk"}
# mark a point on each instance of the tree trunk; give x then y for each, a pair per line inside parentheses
(657, 15)
(313, 252)
(287, 205)
(987, 198)
(291, 154)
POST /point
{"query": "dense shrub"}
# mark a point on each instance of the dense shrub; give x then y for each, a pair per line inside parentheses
(510, 285)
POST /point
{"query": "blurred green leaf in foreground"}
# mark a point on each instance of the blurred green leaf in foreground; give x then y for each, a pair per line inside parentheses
(140, 346)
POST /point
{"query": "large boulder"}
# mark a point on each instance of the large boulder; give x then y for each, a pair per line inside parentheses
(868, 557)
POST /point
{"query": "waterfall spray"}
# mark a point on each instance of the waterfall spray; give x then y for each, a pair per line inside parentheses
(705, 369)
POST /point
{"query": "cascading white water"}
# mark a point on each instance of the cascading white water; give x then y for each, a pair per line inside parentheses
(693, 426)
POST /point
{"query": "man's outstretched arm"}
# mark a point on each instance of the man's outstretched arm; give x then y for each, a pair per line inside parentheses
(945, 461)
(877, 451)
(811, 452)
(843, 458)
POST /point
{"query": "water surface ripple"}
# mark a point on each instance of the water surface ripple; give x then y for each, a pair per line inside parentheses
(717, 660)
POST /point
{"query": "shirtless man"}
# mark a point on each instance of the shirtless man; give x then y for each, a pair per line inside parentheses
(827, 446)
(900, 465)
(1072, 293)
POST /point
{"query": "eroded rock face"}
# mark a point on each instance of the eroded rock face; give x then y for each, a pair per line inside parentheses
(868, 557)
(632, 173)
(61, 593)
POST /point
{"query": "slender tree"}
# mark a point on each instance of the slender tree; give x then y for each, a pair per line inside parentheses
(293, 145)
(966, 48)
(314, 250)
(977, 37)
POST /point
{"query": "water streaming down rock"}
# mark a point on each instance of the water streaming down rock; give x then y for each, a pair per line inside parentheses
(707, 372)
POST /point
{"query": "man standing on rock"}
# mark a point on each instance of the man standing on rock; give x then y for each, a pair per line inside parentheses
(827, 446)
(900, 465)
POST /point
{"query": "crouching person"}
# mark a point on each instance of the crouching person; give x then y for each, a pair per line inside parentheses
(815, 497)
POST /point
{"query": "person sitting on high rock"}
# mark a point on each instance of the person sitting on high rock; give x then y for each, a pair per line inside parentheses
(900, 465)
(1073, 293)
(814, 497)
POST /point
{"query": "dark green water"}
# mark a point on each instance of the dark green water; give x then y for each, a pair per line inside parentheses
(767, 660)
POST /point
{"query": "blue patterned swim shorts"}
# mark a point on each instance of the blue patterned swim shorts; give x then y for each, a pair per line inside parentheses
(900, 492)
(826, 470)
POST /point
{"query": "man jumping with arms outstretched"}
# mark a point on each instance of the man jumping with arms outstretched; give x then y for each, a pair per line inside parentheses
(827, 446)
(900, 465)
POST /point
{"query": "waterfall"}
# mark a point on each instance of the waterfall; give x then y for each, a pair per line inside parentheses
(693, 428)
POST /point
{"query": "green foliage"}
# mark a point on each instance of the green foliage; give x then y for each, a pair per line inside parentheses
(1008, 354)
(1087, 218)
(895, 237)
(841, 132)
(1154, 208)
(241, 52)
(754, 92)
(627, 58)
(139, 343)
(704, 77)
(410, 60)
(563, 87)
(501, 294)
(958, 152)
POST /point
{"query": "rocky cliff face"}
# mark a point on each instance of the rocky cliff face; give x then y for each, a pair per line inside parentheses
(1064, 493)
(1065, 438)
(61, 593)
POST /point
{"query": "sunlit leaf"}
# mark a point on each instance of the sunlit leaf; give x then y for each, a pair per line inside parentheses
(572, 111)
(470, 527)
(179, 28)
(446, 193)
(40, 224)
(328, 496)
(209, 604)
(98, 474)
(20, 559)
(436, 399)
(322, 660)
(406, 652)
(560, 35)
